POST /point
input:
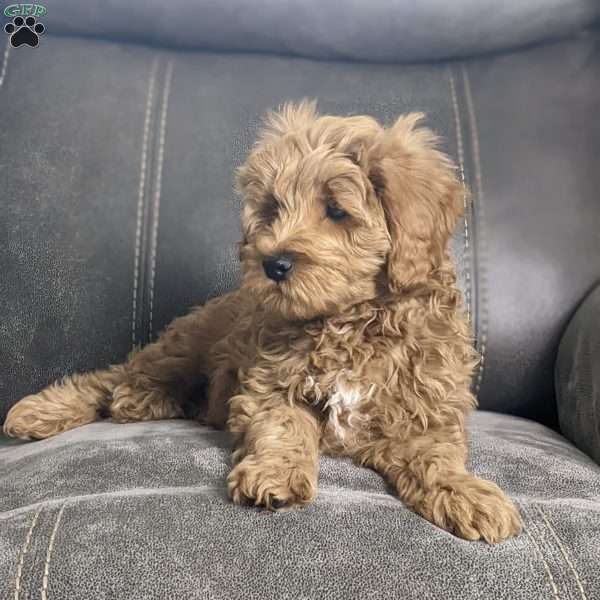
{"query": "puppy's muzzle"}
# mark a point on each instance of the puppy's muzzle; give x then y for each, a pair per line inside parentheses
(279, 267)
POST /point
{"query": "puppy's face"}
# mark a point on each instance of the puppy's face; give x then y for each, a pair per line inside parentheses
(338, 210)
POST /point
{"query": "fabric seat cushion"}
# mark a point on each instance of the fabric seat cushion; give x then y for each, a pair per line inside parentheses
(141, 511)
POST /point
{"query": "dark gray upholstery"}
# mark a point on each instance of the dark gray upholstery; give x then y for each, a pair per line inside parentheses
(73, 219)
(391, 31)
(117, 214)
(147, 517)
(578, 378)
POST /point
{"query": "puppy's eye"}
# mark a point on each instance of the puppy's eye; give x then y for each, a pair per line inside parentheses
(270, 209)
(335, 213)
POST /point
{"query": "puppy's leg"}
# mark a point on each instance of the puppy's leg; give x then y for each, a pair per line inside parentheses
(277, 453)
(66, 404)
(429, 475)
(162, 374)
(149, 386)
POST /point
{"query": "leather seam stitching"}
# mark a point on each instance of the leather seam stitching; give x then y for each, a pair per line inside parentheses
(539, 552)
(7, 53)
(157, 192)
(563, 551)
(23, 553)
(481, 239)
(195, 490)
(49, 552)
(461, 164)
(141, 197)
(551, 553)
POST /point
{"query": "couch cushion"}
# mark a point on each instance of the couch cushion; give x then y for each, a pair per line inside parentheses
(390, 30)
(140, 511)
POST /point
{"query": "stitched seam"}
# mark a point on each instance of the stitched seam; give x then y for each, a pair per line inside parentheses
(49, 552)
(595, 418)
(5, 61)
(461, 164)
(140, 202)
(553, 555)
(539, 552)
(331, 491)
(483, 331)
(198, 490)
(158, 186)
(563, 552)
(92, 441)
(24, 552)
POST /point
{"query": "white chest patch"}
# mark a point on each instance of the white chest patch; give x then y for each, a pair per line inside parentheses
(342, 406)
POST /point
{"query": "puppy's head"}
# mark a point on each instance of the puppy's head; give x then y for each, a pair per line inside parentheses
(338, 210)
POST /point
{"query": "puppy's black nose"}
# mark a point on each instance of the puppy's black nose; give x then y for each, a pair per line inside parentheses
(277, 268)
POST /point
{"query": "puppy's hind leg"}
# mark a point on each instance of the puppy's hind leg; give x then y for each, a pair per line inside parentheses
(151, 385)
(162, 375)
(74, 401)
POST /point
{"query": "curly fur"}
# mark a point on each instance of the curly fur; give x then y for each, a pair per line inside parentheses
(364, 351)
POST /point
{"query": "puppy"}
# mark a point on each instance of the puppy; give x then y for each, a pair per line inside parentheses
(347, 336)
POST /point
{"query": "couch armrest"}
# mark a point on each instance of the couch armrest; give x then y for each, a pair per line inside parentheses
(577, 377)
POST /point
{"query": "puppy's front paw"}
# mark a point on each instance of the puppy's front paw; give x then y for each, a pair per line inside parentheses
(474, 509)
(271, 483)
(32, 418)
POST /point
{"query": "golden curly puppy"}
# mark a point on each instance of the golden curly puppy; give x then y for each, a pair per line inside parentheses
(347, 335)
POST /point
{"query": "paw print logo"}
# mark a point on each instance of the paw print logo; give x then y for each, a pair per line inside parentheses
(24, 31)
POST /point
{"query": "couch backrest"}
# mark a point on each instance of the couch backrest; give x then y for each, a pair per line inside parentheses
(378, 30)
(118, 212)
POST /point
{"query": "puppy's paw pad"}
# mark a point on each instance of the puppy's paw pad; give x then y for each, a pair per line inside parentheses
(270, 485)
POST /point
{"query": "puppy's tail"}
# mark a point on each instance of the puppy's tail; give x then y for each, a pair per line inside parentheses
(74, 401)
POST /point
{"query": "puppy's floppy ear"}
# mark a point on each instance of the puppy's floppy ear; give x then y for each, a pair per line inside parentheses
(421, 197)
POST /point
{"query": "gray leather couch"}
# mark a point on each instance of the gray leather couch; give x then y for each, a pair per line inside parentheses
(120, 135)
